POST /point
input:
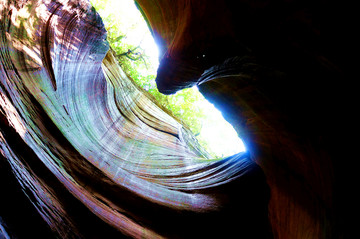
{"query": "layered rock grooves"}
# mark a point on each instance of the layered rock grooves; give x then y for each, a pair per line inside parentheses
(86, 154)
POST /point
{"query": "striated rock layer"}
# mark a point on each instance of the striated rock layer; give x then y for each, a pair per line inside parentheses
(86, 154)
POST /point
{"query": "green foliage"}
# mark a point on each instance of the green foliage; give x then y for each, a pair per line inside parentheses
(138, 65)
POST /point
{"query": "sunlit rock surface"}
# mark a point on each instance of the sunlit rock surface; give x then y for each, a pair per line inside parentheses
(85, 153)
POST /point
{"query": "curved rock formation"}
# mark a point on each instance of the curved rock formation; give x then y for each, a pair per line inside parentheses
(274, 69)
(86, 154)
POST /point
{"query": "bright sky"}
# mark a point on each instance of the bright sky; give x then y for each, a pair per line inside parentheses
(132, 24)
(219, 134)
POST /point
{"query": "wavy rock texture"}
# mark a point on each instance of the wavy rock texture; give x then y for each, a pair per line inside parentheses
(86, 154)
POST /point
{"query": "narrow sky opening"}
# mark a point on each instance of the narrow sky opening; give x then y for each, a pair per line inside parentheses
(219, 136)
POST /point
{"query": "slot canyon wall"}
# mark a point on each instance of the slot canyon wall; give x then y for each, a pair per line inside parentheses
(86, 154)
(274, 69)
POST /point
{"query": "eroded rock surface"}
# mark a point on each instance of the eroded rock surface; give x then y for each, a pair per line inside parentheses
(84, 152)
